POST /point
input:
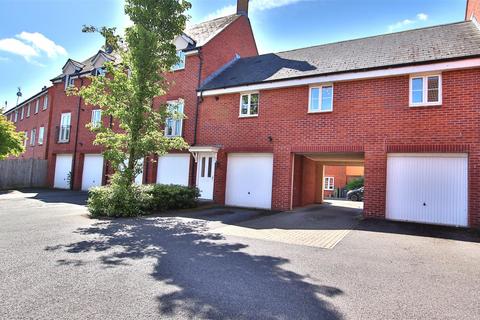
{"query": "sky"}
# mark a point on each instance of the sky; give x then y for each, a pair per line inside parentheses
(38, 36)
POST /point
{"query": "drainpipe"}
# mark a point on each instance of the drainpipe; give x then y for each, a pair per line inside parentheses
(197, 107)
(72, 176)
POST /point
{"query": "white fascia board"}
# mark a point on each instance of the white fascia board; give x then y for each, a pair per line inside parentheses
(426, 68)
(191, 53)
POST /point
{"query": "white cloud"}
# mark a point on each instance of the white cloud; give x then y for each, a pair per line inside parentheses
(42, 43)
(255, 6)
(17, 47)
(31, 45)
(407, 22)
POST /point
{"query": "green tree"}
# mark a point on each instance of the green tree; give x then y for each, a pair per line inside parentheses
(132, 82)
(11, 141)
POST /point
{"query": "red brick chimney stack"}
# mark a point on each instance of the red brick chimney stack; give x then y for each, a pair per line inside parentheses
(473, 10)
(242, 7)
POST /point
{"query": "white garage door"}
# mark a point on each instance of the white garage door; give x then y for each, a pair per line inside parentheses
(173, 169)
(249, 180)
(63, 166)
(92, 171)
(428, 188)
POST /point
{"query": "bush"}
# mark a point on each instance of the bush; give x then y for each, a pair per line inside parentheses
(116, 201)
(355, 184)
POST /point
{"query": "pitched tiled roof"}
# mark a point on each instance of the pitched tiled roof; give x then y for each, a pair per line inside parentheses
(451, 41)
(87, 65)
(203, 32)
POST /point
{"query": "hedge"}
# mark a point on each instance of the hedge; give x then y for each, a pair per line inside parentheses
(114, 201)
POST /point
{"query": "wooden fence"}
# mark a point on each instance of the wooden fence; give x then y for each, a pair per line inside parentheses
(23, 173)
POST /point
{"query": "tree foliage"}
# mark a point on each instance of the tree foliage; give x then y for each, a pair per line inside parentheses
(11, 141)
(127, 92)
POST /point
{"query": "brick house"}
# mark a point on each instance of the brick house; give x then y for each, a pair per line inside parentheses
(32, 116)
(337, 177)
(403, 105)
(75, 161)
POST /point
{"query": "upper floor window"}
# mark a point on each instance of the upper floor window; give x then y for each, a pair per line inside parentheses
(41, 132)
(22, 111)
(28, 110)
(45, 102)
(25, 138)
(321, 99)
(174, 124)
(100, 72)
(96, 118)
(32, 136)
(37, 105)
(16, 116)
(249, 103)
(64, 129)
(69, 82)
(181, 61)
(329, 183)
(425, 90)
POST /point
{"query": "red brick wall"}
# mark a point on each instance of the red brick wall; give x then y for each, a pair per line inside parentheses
(473, 8)
(339, 174)
(236, 38)
(35, 120)
(368, 116)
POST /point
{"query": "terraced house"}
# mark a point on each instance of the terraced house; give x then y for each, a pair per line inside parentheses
(262, 128)
(405, 105)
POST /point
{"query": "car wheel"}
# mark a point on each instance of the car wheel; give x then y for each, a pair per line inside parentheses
(354, 197)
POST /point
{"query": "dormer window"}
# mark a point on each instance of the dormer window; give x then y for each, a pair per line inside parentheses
(180, 65)
(69, 82)
(100, 72)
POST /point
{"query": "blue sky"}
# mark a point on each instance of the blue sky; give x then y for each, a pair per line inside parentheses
(37, 36)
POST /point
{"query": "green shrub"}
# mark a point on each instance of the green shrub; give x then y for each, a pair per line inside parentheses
(116, 201)
(355, 184)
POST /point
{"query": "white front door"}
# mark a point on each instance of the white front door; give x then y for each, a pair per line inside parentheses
(63, 168)
(92, 171)
(205, 174)
(428, 188)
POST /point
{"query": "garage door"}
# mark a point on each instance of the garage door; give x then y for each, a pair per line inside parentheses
(63, 166)
(428, 188)
(92, 171)
(173, 169)
(249, 180)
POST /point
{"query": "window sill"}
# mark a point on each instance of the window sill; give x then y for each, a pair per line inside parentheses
(314, 112)
(249, 116)
(436, 104)
(175, 70)
(179, 136)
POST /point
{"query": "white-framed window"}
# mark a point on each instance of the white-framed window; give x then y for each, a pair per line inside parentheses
(321, 98)
(64, 130)
(16, 116)
(45, 102)
(37, 105)
(181, 61)
(249, 103)
(22, 112)
(174, 124)
(425, 90)
(25, 138)
(28, 110)
(41, 132)
(33, 134)
(96, 118)
(100, 72)
(69, 82)
(329, 183)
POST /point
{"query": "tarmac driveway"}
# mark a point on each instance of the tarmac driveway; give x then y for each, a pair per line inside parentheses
(56, 263)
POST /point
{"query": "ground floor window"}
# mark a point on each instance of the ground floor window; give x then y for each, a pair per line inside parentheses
(328, 183)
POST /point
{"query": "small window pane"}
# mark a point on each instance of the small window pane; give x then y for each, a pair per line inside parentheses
(314, 99)
(210, 160)
(254, 104)
(433, 84)
(417, 90)
(203, 167)
(244, 110)
(327, 98)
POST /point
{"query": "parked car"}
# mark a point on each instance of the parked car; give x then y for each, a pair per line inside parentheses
(355, 194)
